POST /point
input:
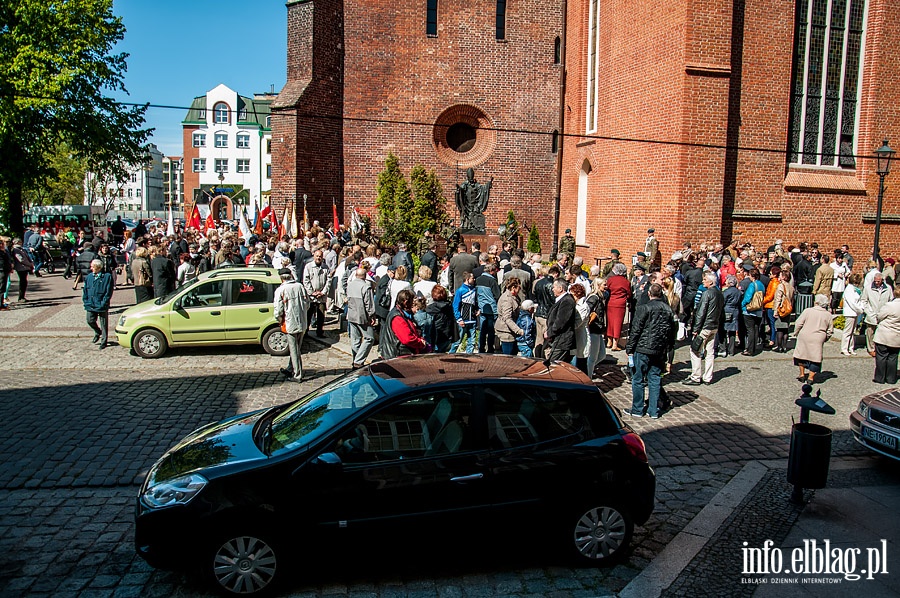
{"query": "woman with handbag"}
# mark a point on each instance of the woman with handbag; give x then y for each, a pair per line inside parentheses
(732, 314)
(784, 305)
(752, 311)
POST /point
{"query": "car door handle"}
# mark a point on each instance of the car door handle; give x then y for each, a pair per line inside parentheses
(215, 313)
(263, 310)
(467, 478)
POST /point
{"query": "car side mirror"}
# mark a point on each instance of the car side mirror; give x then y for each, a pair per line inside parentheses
(177, 304)
(328, 462)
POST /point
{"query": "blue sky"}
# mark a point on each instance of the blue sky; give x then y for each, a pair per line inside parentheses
(182, 49)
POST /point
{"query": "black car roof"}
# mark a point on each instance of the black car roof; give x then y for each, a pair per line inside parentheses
(422, 370)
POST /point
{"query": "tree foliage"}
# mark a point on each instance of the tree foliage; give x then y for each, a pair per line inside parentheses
(57, 66)
(407, 209)
(534, 240)
(63, 183)
(429, 206)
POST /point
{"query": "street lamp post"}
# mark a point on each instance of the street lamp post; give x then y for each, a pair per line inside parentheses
(884, 154)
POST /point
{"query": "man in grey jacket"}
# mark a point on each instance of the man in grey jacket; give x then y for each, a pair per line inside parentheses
(360, 316)
(707, 316)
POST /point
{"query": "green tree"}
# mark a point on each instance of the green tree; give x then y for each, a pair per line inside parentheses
(57, 66)
(407, 209)
(534, 241)
(389, 180)
(429, 206)
(63, 183)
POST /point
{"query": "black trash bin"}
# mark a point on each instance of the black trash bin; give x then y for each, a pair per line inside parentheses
(810, 455)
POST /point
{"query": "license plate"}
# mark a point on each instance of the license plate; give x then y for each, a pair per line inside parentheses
(879, 437)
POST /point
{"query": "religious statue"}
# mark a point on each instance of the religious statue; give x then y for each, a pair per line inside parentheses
(471, 201)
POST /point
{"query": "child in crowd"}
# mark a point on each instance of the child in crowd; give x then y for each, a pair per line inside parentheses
(526, 323)
(423, 320)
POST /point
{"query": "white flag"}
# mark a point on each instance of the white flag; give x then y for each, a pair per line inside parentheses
(286, 221)
(170, 230)
(243, 226)
(251, 212)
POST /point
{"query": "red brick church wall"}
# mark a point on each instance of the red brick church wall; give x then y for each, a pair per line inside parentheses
(396, 82)
(718, 72)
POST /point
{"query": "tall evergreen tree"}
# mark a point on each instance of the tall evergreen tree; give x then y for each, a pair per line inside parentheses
(429, 206)
(389, 180)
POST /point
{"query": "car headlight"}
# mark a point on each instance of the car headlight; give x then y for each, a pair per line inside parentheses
(122, 321)
(863, 409)
(178, 491)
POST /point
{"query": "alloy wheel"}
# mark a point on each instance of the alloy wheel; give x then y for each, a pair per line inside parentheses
(600, 533)
(244, 565)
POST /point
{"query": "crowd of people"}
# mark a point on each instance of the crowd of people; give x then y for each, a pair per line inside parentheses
(723, 300)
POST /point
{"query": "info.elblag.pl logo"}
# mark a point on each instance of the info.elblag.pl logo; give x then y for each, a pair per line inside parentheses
(814, 558)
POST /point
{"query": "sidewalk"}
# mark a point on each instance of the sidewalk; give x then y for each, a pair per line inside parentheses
(854, 517)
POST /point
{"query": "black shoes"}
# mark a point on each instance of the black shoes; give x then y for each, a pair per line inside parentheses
(96, 339)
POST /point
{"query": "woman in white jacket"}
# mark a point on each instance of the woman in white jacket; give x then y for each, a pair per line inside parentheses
(853, 307)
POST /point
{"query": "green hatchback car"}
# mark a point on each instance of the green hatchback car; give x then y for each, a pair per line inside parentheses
(229, 306)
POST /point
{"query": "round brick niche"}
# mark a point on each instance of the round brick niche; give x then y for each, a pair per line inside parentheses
(464, 136)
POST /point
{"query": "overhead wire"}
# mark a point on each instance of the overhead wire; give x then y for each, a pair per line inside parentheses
(289, 112)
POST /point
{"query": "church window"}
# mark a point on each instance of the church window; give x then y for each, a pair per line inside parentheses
(825, 87)
(501, 19)
(593, 44)
(461, 137)
(431, 19)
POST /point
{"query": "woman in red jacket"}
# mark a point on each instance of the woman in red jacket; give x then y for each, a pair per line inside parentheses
(404, 327)
(619, 294)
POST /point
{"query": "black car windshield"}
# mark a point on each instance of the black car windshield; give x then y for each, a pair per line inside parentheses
(318, 412)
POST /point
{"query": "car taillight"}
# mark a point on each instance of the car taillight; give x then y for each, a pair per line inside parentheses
(635, 446)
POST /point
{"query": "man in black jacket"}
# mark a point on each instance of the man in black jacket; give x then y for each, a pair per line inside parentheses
(707, 316)
(430, 259)
(560, 335)
(543, 296)
(652, 333)
(163, 274)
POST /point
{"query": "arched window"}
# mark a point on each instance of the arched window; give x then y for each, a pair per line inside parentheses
(431, 17)
(501, 19)
(581, 213)
(557, 50)
(554, 141)
(220, 113)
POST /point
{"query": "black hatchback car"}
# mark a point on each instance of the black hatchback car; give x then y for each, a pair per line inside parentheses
(409, 440)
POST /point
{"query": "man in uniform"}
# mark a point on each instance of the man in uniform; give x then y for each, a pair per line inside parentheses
(651, 249)
(607, 269)
(567, 245)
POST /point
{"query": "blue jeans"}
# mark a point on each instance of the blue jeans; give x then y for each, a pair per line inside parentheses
(770, 318)
(525, 350)
(467, 330)
(647, 372)
(486, 336)
(508, 348)
(35, 257)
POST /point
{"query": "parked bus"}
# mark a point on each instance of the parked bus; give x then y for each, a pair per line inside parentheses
(52, 218)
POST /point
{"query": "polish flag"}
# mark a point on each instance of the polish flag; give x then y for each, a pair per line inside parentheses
(194, 221)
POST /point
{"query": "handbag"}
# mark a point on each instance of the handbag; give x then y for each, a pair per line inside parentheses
(756, 302)
(697, 345)
(786, 308)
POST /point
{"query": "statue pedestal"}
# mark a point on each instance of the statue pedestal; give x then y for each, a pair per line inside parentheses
(485, 239)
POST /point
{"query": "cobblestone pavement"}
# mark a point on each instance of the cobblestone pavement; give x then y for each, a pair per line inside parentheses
(80, 427)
